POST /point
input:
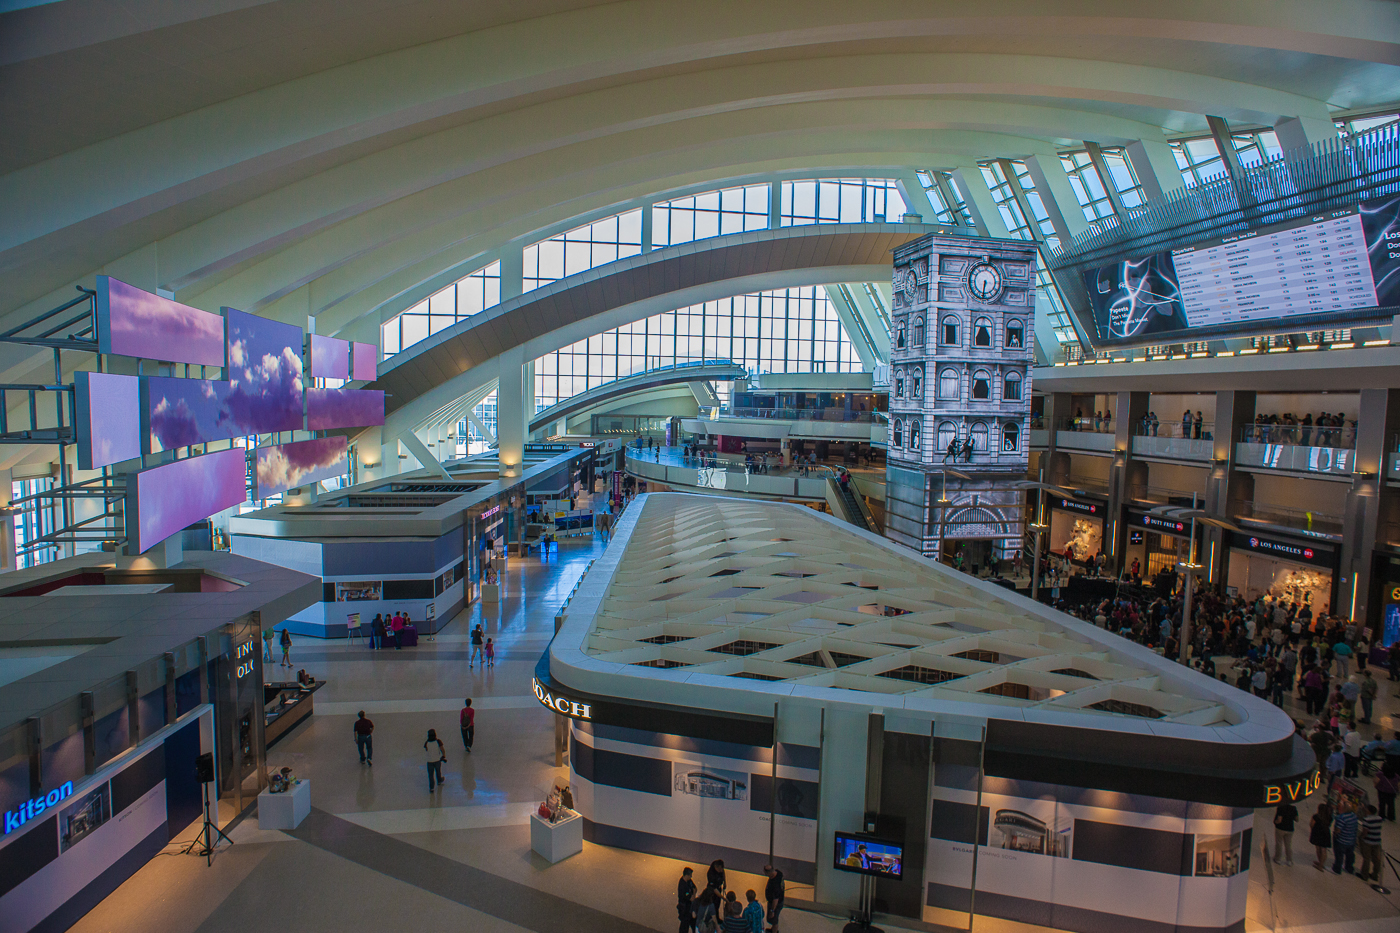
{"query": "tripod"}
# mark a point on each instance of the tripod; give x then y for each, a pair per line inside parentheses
(207, 833)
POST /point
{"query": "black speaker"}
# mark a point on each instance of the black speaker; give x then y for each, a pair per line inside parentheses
(204, 768)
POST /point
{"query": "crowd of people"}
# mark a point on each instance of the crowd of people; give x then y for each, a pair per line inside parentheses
(1328, 429)
(717, 908)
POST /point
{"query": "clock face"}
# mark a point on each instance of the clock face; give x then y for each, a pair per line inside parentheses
(984, 281)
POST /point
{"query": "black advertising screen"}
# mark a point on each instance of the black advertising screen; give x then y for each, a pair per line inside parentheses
(868, 855)
(1315, 270)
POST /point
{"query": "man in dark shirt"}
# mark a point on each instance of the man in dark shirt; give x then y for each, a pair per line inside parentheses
(364, 739)
(774, 893)
(1285, 820)
(685, 901)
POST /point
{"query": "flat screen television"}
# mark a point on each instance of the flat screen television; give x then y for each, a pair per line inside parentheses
(869, 855)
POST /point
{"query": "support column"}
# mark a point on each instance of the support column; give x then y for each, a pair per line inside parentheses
(510, 413)
(1224, 141)
(647, 222)
(915, 197)
(1057, 408)
(1228, 490)
(1296, 133)
(775, 205)
(1052, 184)
(1127, 474)
(1155, 167)
(980, 202)
(1370, 504)
(512, 270)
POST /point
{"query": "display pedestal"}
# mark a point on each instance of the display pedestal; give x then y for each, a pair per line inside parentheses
(556, 841)
(490, 592)
(286, 810)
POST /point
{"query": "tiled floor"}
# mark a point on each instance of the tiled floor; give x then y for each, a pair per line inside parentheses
(380, 852)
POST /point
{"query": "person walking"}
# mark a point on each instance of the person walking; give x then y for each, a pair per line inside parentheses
(685, 901)
(1351, 753)
(478, 637)
(1285, 819)
(1370, 844)
(1320, 834)
(434, 755)
(468, 719)
(267, 645)
(1344, 826)
(753, 913)
(1369, 689)
(775, 892)
(364, 739)
(286, 648)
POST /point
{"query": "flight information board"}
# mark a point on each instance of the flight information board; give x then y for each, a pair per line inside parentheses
(1319, 270)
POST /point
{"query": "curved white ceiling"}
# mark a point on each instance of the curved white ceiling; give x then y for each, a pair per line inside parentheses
(325, 156)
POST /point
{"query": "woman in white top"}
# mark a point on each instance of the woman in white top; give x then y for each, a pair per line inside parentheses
(436, 755)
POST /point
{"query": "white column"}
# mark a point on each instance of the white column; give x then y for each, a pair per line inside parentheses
(1155, 167)
(510, 412)
(1302, 132)
(1052, 184)
(775, 205)
(512, 270)
(979, 201)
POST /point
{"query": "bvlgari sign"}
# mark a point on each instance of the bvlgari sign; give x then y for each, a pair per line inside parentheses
(562, 704)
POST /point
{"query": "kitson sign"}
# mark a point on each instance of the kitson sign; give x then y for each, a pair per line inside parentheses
(25, 812)
(562, 704)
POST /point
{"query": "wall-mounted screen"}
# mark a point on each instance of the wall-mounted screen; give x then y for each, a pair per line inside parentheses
(1323, 270)
(108, 418)
(329, 357)
(181, 412)
(265, 371)
(133, 322)
(287, 466)
(365, 356)
(868, 855)
(163, 500)
(343, 408)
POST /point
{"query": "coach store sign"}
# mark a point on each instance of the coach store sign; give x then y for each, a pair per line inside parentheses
(561, 703)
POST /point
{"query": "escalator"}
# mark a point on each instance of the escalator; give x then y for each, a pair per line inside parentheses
(847, 506)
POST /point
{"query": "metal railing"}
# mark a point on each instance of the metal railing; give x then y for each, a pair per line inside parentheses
(800, 414)
(1299, 435)
(1204, 431)
(1087, 423)
(1292, 517)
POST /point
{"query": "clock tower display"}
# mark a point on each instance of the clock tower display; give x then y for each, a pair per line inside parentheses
(961, 351)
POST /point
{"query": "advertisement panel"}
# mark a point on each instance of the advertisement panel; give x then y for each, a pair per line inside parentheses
(343, 408)
(108, 416)
(329, 357)
(265, 374)
(1323, 269)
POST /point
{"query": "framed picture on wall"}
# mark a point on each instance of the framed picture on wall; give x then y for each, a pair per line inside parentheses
(358, 591)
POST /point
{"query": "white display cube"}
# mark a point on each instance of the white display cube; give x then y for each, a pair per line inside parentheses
(285, 810)
(556, 841)
(490, 592)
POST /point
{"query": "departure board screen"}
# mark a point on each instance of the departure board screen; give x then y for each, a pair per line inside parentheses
(1322, 271)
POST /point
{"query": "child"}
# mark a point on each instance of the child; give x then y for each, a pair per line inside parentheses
(490, 653)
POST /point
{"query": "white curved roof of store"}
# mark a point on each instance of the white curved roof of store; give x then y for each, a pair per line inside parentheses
(730, 605)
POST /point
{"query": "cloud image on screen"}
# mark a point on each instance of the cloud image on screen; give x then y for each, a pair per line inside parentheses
(181, 412)
(343, 408)
(287, 466)
(134, 322)
(162, 500)
(365, 357)
(265, 372)
(330, 357)
(108, 418)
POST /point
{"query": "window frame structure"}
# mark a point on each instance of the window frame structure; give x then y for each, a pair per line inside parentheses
(1087, 183)
(1199, 160)
(1012, 377)
(981, 378)
(949, 204)
(949, 383)
(719, 212)
(468, 296)
(806, 201)
(585, 247)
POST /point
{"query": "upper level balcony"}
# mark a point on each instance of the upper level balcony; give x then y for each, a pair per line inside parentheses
(1298, 448)
(1174, 440)
(1087, 434)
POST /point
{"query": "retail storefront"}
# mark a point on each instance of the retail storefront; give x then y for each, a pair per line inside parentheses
(688, 743)
(1284, 568)
(1158, 544)
(1077, 524)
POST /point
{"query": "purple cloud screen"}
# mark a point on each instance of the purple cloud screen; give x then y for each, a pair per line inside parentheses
(108, 418)
(330, 357)
(265, 374)
(366, 359)
(287, 466)
(181, 412)
(133, 322)
(343, 408)
(164, 499)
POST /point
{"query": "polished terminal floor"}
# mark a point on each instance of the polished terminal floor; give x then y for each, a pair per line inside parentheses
(379, 852)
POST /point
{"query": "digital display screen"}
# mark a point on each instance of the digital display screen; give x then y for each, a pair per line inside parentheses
(265, 373)
(869, 855)
(330, 357)
(108, 418)
(1314, 270)
(343, 408)
(134, 322)
(181, 412)
(287, 466)
(366, 359)
(163, 500)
